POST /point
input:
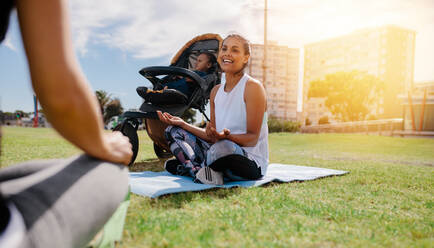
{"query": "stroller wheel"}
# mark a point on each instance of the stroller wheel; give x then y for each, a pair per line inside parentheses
(129, 131)
(161, 153)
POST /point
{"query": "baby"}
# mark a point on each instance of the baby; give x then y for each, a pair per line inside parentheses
(204, 63)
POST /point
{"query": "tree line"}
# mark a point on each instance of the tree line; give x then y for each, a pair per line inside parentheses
(110, 106)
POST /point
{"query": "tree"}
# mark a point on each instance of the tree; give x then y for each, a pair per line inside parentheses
(189, 116)
(103, 99)
(9, 116)
(109, 106)
(113, 108)
(349, 95)
(2, 119)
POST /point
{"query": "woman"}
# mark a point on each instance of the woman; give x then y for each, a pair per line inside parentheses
(234, 143)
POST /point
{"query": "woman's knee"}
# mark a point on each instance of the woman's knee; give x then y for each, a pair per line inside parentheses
(105, 172)
(226, 147)
(169, 132)
(222, 148)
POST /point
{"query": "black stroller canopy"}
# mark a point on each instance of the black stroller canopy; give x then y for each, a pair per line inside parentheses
(187, 55)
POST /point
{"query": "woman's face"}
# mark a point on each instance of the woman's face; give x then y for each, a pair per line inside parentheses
(232, 56)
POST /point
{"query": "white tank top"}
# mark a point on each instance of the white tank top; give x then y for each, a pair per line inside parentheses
(230, 113)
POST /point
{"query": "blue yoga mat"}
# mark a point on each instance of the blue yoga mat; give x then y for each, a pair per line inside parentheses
(154, 184)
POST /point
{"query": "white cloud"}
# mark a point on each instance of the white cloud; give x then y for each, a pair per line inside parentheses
(151, 28)
(148, 29)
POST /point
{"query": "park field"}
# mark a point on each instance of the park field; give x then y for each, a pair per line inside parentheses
(387, 199)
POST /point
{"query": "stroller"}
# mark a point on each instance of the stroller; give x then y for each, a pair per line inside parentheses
(180, 65)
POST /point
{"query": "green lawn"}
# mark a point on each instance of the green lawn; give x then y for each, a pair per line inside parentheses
(386, 201)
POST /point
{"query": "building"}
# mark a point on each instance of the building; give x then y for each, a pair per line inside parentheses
(281, 79)
(386, 52)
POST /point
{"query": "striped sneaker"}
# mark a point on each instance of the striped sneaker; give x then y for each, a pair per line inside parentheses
(207, 175)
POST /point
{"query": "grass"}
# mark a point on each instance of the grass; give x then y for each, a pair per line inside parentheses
(387, 199)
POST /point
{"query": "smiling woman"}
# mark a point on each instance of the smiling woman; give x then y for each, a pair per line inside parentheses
(234, 143)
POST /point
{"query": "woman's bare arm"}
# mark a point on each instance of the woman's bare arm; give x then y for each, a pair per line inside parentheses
(59, 84)
(204, 134)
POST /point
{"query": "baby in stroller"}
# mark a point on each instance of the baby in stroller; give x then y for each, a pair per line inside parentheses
(178, 91)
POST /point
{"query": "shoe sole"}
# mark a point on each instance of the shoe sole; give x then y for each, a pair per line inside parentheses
(208, 176)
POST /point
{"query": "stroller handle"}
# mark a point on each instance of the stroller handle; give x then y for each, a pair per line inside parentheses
(152, 72)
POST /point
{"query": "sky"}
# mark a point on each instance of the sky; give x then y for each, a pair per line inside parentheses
(114, 39)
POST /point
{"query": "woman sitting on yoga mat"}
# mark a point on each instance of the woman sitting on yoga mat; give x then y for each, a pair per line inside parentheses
(234, 143)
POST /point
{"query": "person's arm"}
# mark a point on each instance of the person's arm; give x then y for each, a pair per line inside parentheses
(256, 104)
(68, 101)
(205, 134)
(177, 121)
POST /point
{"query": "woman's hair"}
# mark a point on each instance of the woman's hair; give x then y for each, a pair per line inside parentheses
(211, 59)
(246, 44)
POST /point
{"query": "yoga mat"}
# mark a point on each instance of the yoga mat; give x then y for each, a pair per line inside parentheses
(154, 184)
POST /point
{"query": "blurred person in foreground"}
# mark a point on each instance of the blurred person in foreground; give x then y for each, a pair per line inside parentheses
(65, 202)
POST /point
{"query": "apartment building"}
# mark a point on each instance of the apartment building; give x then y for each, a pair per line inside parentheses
(282, 75)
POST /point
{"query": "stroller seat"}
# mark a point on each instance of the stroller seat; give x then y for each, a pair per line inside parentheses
(162, 97)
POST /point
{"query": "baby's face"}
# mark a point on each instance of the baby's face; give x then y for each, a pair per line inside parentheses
(202, 63)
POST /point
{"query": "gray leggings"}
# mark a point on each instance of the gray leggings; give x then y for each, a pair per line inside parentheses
(225, 156)
(64, 203)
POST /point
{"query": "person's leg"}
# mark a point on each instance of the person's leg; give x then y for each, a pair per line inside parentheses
(227, 157)
(67, 203)
(24, 169)
(177, 92)
(187, 148)
(179, 85)
(237, 167)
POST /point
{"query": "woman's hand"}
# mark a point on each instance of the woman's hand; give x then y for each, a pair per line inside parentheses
(169, 119)
(214, 135)
(119, 148)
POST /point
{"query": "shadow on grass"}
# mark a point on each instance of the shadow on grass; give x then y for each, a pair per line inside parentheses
(152, 164)
(179, 200)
